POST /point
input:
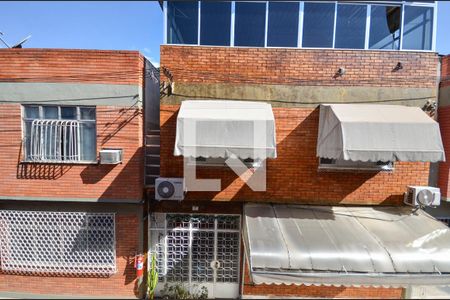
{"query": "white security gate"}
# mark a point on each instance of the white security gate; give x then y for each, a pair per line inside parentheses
(197, 251)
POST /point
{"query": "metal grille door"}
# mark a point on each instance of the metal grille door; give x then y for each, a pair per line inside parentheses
(199, 250)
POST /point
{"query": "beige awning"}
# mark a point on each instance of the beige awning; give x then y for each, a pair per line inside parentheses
(368, 132)
(221, 128)
(345, 245)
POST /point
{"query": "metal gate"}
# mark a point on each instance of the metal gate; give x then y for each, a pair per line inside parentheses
(197, 251)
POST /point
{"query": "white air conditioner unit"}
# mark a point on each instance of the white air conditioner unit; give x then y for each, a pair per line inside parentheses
(111, 156)
(169, 189)
(423, 196)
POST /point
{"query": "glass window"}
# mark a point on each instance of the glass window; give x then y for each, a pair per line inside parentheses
(182, 22)
(351, 26)
(283, 24)
(69, 113)
(418, 28)
(250, 24)
(50, 112)
(68, 137)
(215, 23)
(385, 27)
(318, 25)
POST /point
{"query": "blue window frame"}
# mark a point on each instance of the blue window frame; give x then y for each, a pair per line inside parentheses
(351, 26)
(215, 23)
(250, 24)
(318, 25)
(182, 22)
(385, 27)
(418, 28)
(283, 24)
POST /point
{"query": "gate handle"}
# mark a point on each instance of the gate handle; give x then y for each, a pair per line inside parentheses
(215, 264)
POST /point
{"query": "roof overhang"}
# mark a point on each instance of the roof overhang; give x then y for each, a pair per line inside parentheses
(345, 246)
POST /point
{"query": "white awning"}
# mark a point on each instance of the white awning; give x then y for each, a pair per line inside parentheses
(222, 128)
(367, 132)
(350, 246)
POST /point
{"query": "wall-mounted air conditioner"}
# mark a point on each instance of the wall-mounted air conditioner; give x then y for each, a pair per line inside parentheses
(111, 156)
(423, 196)
(169, 189)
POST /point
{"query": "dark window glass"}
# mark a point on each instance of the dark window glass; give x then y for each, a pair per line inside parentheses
(182, 22)
(50, 112)
(32, 112)
(418, 28)
(87, 113)
(318, 25)
(68, 113)
(215, 23)
(250, 24)
(385, 27)
(283, 24)
(351, 26)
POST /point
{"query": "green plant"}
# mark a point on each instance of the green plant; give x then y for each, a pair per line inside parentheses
(181, 291)
(152, 278)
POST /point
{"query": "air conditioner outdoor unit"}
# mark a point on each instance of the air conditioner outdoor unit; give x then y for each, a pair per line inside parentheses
(169, 189)
(423, 196)
(111, 156)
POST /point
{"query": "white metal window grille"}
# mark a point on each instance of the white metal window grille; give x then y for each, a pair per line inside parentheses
(55, 141)
(76, 243)
(196, 248)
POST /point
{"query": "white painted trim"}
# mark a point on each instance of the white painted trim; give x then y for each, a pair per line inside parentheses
(334, 26)
(368, 16)
(300, 24)
(434, 32)
(266, 29)
(402, 23)
(233, 9)
(165, 23)
(199, 6)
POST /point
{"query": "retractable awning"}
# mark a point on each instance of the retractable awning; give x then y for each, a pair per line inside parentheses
(221, 128)
(368, 132)
(349, 246)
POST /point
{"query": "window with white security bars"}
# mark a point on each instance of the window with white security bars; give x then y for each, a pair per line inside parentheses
(57, 243)
(59, 134)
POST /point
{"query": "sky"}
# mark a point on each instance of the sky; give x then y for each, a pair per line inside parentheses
(126, 25)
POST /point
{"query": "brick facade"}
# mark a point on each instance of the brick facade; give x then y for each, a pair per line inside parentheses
(68, 65)
(117, 125)
(444, 123)
(293, 177)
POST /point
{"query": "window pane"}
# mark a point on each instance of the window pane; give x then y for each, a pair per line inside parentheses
(69, 113)
(418, 28)
(182, 22)
(283, 24)
(87, 113)
(31, 112)
(88, 142)
(50, 112)
(215, 23)
(385, 27)
(351, 26)
(250, 24)
(318, 25)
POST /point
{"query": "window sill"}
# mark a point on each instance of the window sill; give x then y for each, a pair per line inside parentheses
(28, 162)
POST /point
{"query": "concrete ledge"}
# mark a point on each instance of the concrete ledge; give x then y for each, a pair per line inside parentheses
(300, 96)
(71, 93)
(63, 199)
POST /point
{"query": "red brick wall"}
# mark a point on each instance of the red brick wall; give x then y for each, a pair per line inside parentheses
(121, 284)
(299, 66)
(444, 123)
(67, 65)
(117, 127)
(293, 175)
